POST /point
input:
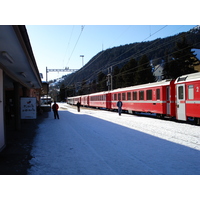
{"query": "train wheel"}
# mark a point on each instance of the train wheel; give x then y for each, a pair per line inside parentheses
(160, 116)
(197, 121)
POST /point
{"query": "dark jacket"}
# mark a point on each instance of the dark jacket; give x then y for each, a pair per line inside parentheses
(119, 104)
(55, 107)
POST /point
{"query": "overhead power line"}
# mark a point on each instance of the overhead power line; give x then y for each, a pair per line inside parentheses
(82, 27)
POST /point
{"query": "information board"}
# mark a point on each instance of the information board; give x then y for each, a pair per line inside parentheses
(28, 108)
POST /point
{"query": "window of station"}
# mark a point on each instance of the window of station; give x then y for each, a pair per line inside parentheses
(190, 92)
(123, 96)
(149, 94)
(157, 94)
(134, 95)
(141, 95)
(128, 96)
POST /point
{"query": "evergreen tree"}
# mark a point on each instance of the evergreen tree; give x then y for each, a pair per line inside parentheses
(115, 75)
(62, 92)
(93, 86)
(144, 72)
(117, 78)
(101, 86)
(127, 73)
(83, 89)
(183, 61)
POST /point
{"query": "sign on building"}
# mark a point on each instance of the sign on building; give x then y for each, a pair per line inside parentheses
(28, 108)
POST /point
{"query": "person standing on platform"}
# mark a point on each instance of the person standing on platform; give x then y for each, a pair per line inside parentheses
(119, 105)
(55, 110)
(78, 106)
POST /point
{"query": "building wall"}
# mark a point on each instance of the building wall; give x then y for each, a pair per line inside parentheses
(2, 134)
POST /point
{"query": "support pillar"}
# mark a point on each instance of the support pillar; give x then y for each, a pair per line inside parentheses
(17, 105)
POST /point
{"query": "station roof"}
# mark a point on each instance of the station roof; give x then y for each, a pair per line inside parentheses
(16, 56)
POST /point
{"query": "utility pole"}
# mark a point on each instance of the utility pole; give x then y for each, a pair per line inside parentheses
(46, 74)
(82, 59)
(109, 78)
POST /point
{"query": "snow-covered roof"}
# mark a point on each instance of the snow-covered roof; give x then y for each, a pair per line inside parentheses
(99, 93)
(188, 77)
(155, 84)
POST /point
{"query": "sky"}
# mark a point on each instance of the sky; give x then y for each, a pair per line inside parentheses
(54, 27)
(60, 46)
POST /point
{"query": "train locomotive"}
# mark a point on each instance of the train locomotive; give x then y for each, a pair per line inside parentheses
(178, 98)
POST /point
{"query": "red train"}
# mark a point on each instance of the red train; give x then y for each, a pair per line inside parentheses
(178, 98)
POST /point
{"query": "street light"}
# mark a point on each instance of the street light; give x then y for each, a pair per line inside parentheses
(82, 59)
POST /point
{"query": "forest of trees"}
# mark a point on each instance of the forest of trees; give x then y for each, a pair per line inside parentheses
(131, 64)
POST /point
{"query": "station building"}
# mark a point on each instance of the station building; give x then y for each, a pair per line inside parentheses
(19, 77)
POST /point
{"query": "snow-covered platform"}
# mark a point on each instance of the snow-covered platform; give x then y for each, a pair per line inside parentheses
(102, 142)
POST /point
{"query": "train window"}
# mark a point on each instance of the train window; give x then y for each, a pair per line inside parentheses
(115, 96)
(141, 95)
(119, 96)
(134, 95)
(157, 94)
(123, 96)
(149, 94)
(128, 96)
(190, 92)
(180, 92)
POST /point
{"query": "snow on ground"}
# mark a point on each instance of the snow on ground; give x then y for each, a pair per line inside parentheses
(94, 142)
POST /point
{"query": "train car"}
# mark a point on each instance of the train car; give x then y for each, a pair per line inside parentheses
(70, 100)
(188, 97)
(100, 100)
(155, 98)
(77, 99)
(74, 100)
(178, 98)
(85, 100)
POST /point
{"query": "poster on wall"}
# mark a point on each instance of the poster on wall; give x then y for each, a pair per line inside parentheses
(28, 108)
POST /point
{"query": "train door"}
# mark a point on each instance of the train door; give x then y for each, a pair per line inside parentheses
(108, 101)
(168, 100)
(180, 102)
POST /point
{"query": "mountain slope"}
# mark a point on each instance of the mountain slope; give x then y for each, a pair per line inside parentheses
(119, 56)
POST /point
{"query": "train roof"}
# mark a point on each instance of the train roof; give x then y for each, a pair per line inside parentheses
(188, 77)
(73, 97)
(99, 93)
(148, 85)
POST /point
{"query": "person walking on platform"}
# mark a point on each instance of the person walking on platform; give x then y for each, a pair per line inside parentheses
(55, 110)
(78, 106)
(119, 105)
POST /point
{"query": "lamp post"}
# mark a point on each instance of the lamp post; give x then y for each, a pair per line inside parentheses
(82, 59)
